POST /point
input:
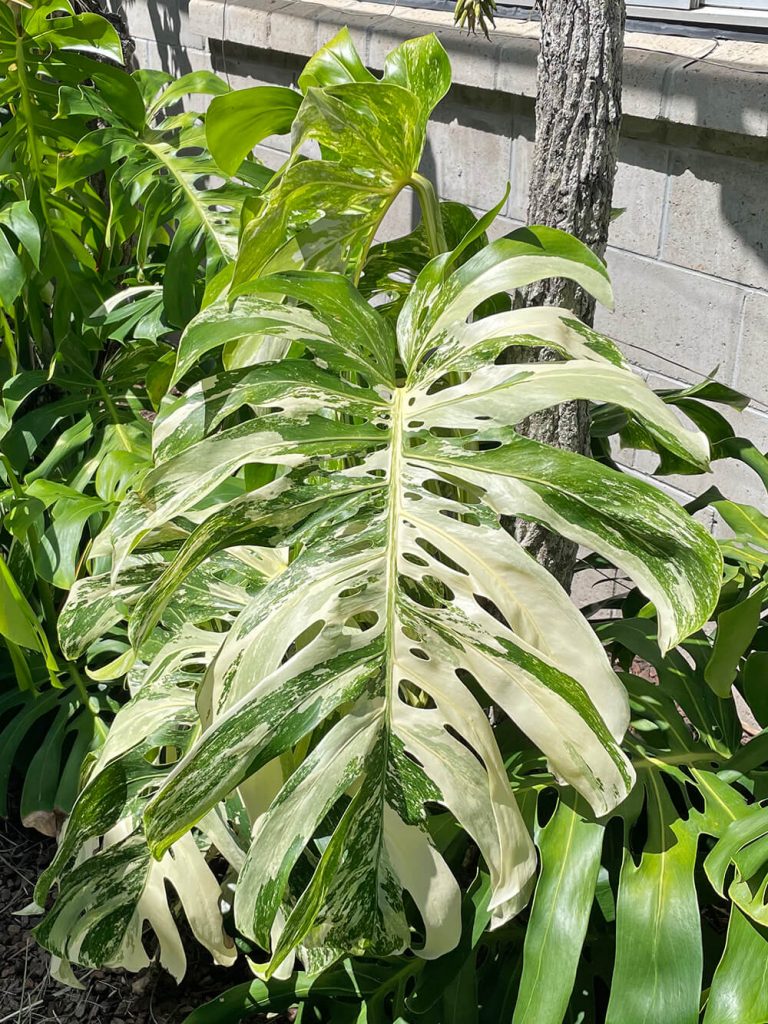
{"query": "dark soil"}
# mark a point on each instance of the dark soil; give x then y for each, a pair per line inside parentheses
(28, 995)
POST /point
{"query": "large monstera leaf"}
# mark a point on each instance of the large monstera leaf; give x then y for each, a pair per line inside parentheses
(406, 609)
(109, 887)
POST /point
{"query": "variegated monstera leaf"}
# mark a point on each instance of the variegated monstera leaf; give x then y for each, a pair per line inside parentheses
(352, 693)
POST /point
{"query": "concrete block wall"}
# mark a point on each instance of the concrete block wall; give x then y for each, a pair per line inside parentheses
(688, 258)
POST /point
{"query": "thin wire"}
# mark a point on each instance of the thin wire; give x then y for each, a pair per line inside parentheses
(704, 58)
(702, 377)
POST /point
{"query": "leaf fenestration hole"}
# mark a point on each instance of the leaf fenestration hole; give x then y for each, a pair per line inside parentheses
(493, 609)
(303, 640)
(440, 556)
(441, 384)
(415, 560)
(460, 739)
(459, 491)
(454, 432)
(413, 695)
(482, 446)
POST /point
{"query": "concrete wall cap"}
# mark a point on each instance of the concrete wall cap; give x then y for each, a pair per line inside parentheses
(683, 83)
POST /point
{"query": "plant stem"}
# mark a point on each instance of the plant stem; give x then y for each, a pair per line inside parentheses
(85, 698)
(8, 341)
(430, 211)
(112, 410)
(36, 159)
(369, 242)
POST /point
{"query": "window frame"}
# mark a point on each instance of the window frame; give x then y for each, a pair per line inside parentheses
(730, 15)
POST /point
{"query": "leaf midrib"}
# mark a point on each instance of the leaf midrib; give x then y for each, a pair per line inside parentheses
(189, 191)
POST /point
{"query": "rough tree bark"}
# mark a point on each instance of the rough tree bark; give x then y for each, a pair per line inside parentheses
(578, 116)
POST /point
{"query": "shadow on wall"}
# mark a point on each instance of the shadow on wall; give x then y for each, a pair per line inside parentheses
(242, 66)
(695, 197)
(165, 24)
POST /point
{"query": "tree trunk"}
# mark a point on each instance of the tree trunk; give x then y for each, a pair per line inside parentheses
(578, 116)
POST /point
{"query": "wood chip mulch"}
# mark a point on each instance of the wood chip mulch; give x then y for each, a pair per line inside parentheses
(28, 995)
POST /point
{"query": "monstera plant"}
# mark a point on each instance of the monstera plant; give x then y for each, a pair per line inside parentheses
(351, 694)
(346, 676)
(407, 609)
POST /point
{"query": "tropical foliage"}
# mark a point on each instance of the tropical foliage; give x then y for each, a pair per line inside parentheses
(267, 646)
(88, 224)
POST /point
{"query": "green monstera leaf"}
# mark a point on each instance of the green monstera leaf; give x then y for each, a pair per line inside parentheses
(162, 179)
(406, 610)
(51, 245)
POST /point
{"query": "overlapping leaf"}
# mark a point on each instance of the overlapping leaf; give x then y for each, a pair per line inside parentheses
(323, 213)
(110, 885)
(53, 237)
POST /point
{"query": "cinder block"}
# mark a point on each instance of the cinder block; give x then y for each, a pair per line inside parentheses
(669, 319)
(271, 158)
(717, 217)
(502, 226)
(752, 365)
(177, 61)
(643, 81)
(166, 21)
(357, 17)
(473, 58)
(592, 585)
(641, 177)
(736, 480)
(206, 17)
(388, 35)
(249, 23)
(244, 68)
(293, 29)
(523, 135)
(280, 143)
(160, 57)
(401, 218)
(470, 150)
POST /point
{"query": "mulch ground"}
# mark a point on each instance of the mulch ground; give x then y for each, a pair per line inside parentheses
(28, 995)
